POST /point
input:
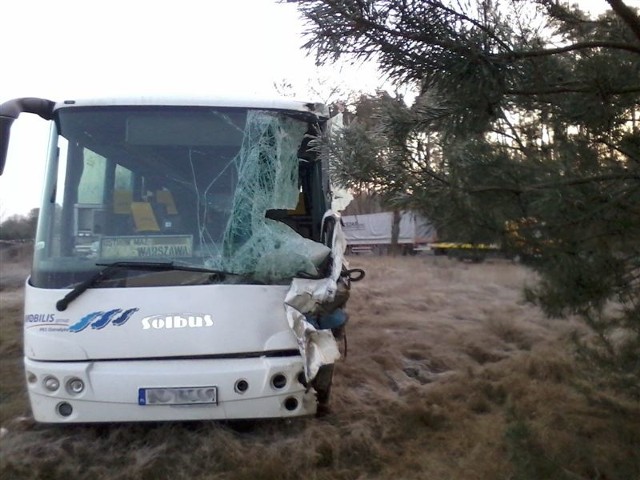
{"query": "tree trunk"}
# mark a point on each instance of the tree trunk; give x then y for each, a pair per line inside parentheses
(395, 232)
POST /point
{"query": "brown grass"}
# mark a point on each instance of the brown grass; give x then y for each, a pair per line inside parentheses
(449, 375)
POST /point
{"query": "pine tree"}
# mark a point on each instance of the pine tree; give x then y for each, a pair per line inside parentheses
(526, 128)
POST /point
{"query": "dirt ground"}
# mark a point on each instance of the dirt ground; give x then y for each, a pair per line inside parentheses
(449, 374)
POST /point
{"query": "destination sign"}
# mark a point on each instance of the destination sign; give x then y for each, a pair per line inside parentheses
(147, 246)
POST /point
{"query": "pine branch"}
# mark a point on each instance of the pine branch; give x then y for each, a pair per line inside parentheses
(556, 90)
(620, 149)
(472, 21)
(627, 15)
(571, 182)
(522, 54)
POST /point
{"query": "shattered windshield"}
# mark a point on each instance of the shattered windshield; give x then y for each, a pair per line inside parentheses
(231, 189)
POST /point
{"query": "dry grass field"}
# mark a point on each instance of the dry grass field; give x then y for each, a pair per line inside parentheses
(449, 375)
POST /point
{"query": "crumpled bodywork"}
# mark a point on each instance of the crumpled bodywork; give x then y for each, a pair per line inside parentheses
(307, 298)
(269, 250)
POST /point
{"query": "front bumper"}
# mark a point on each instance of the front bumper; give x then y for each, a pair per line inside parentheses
(111, 389)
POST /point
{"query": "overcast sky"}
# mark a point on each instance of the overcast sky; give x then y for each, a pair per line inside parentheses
(60, 49)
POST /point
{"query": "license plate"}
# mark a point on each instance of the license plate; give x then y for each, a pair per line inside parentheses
(178, 396)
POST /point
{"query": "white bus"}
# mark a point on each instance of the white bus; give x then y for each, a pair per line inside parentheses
(187, 264)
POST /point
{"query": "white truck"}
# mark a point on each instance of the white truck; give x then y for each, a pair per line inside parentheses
(371, 232)
(187, 264)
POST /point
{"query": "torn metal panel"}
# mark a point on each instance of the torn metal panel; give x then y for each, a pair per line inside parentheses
(311, 297)
(271, 251)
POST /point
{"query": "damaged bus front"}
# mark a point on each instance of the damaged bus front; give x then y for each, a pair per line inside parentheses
(186, 266)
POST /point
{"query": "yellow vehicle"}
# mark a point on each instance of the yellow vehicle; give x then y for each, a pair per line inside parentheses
(474, 252)
(524, 238)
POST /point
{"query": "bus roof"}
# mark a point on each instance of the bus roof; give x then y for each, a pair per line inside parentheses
(274, 103)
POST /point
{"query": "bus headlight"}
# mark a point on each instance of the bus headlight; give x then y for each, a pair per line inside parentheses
(51, 383)
(31, 377)
(75, 386)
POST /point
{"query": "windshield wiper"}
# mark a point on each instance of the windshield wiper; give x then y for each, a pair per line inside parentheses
(110, 268)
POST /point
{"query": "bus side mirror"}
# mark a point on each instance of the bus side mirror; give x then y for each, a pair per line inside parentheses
(5, 129)
(10, 110)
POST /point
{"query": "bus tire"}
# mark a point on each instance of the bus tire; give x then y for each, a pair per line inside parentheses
(322, 385)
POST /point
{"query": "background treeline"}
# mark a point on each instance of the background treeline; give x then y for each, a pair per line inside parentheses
(19, 227)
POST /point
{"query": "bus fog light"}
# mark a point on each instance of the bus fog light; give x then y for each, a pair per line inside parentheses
(51, 383)
(291, 403)
(75, 386)
(31, 377)
(241, 386)
(65, 409)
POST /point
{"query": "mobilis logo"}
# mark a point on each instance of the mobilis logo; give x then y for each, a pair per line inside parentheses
(40, 318)
(184, 320)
